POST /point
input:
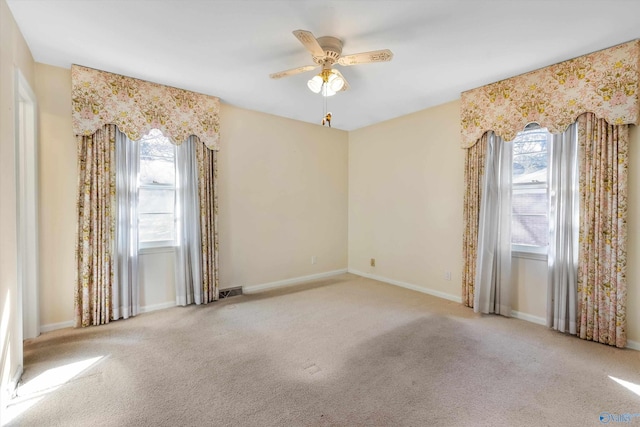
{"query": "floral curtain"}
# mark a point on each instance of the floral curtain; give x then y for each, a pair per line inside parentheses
(208, 195)
(96, 227)
(602, 287)
(606, 83)
(602, 91)
(136, 106)
(104, 103)
(473, 172)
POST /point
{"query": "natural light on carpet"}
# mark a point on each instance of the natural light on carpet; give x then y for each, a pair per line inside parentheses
(631, 386)
(34, 390)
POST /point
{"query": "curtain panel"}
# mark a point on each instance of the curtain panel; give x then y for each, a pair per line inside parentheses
(95, 239)
(197, 199)
(474, 164)
(125, 289)
(602, 285)
(208, 196)
(492, 288)
(564, 220)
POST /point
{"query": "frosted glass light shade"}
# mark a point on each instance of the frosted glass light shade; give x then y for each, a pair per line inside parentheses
(315, 84)
(327, 91)
(335, 82)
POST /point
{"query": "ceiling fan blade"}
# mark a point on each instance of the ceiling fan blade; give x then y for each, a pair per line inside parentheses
(309, 41)
(383, 55)
(346, 83)
(293, 71)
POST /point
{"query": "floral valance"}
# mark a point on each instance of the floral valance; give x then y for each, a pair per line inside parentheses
(605, 83)
(136, 106)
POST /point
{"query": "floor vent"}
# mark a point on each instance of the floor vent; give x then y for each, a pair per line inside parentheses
(230, 292)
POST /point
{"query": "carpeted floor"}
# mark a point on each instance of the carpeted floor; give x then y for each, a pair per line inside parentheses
(345, 351)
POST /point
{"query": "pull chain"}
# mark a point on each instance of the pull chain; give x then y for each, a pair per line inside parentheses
(326, 115)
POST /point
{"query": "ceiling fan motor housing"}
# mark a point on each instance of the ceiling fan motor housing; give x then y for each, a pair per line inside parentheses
(332, 48)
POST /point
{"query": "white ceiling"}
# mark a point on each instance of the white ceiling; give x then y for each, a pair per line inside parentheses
(227, 48)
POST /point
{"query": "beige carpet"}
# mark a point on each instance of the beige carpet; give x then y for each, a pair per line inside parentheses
(345, 351)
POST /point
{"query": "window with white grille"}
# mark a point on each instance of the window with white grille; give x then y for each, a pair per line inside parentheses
(156, 191)
(530, 184)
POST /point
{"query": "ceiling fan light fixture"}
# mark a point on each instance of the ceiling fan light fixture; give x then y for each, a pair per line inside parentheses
(315, 84)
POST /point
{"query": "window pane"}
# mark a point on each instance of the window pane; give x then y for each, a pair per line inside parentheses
(157, 157)
(530, 223)
(156, 227)
(157, 170)
(155, 144)
(530, 157)
(156, 185)
(529, 202)
(156, 200)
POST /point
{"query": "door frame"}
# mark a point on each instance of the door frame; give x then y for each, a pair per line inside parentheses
(26, 157)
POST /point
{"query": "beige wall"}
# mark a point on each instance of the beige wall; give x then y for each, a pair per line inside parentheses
(282, 196)
(14, 54)
(405, 199)
(405, 210)
(530, 294)
(58, 184)
(157, 279)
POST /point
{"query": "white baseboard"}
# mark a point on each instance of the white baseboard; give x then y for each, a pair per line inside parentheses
(70, 323)
(288, 282)
(633, 345)
(528, 318)
(405, 285)
(154, 307)
(55, 326)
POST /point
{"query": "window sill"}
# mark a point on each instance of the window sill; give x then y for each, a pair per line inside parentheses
(156, 250)
(529, 255)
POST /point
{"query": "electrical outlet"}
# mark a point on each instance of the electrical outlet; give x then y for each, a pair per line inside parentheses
(373, 262)
(447, 275)
(314, 259)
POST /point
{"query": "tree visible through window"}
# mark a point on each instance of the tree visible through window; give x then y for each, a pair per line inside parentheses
(156, 191)
(529, 199)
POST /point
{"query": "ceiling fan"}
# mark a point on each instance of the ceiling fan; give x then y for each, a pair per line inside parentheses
(326, 52)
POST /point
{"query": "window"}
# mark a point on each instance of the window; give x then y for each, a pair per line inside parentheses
(156, 191)
(529, 198)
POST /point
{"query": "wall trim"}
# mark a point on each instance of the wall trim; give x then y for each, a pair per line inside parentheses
(410, 286)
(26, 164)
(289, 282)
(154, 307)
(528, 317)
(70, 323)
(633, 345)
(55, 326)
